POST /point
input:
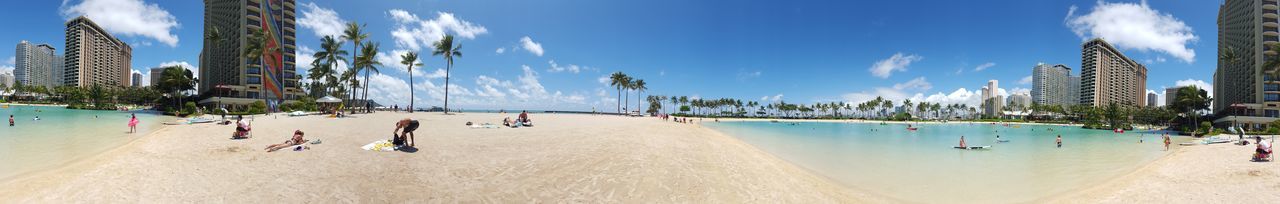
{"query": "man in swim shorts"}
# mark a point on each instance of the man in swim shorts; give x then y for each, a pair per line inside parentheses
(408, 125)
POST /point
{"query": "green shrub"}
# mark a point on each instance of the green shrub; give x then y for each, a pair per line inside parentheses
(258, 107)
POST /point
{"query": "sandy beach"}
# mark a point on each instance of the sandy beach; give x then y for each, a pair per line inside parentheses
(1218, 173)
(566, 158)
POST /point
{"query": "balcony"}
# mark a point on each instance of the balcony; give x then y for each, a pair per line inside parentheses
(1270, 25)
(1270, 15)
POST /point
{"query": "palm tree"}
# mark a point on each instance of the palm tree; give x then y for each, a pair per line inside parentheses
(369, 63)
(448, 50)
(257, 46)
(410, 59)
(350, 77)
(627, 84)
(328, 56)
(640, 88)
(617, 80)
(353, 34)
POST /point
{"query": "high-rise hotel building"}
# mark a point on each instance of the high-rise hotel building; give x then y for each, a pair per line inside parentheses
(1053, 85)
(94, 57)
(1242, 87)
(1107, 76)
(239, 80)
(37, 65)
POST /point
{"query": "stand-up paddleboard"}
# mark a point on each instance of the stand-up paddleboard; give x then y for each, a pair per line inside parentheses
(973, 147)
(1002, 141)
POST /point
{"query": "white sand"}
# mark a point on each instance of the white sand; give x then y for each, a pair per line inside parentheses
(1218, 173)
(566, 158)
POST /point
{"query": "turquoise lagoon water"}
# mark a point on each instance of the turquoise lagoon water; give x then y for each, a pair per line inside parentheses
(922, 166)
(62, 136)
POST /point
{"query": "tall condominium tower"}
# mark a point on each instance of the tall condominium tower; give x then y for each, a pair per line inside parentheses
(94, 57)
(239, 80)
(1243, 88)
(1052, 85)
(136, 79)
(1107, 76)
(37, 65)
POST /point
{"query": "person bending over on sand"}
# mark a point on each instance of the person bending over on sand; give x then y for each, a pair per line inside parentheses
(408, 125)
(962, 145)
(296, 140)
(1059, 141)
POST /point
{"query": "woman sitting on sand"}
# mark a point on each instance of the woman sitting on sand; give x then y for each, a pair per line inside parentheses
(296, 140)
(1263, 151)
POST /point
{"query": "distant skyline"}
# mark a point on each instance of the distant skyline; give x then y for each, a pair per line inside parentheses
(554, 54)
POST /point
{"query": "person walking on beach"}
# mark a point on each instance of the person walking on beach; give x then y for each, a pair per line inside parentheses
(408, 125)
(1059, 141)
(133, 123)
(1167, 141)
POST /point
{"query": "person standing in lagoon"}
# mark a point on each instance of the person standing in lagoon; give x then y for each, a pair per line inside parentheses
(133, 123)
(1059, 141)
(962, 144)
(10, 120)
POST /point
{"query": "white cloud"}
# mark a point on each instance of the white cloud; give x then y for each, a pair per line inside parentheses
(323, 21)
(128, 17)
(1025, 80)
(528, 44)
(570, 68)
(896, 92)
(1020, 90)
(959, 96)
(11, 61)
(393, 58)
(744, 75)
(1136, 26)
(604, 80)
(7, 67)
(775, 98)
(305, 56)
(501, 50)
(183, 64)
(1198, 83)
(413, 32)
(984, 66)
(898, 62)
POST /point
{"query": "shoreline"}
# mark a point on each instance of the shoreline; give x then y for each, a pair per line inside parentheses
(80, 161)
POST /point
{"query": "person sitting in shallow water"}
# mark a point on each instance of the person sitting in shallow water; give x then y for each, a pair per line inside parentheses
(296, 140)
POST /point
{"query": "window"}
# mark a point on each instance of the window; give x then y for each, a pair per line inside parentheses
(253, 80)
(1273, 97)
(252, 95)
(253, 70)
(1272, 113)
(1272, 87)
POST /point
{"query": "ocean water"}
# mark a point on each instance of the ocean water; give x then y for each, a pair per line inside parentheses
(921, 166)
(62, 136)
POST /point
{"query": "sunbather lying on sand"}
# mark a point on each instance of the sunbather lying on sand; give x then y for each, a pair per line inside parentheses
(296, 140)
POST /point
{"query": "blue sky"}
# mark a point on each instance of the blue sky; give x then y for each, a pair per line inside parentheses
(797, 51)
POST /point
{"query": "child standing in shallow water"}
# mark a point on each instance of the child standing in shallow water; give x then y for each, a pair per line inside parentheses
(133, 123)
(1059, 141)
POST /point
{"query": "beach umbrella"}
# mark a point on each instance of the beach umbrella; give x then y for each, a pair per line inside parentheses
(328, 99)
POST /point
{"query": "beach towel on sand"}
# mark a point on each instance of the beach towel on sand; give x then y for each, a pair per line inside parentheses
(380, 145)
